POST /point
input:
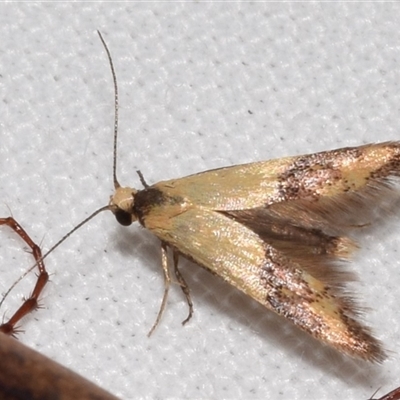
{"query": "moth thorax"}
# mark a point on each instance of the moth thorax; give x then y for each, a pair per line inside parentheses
(121, 204)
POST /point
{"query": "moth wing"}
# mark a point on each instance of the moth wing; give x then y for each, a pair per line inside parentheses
(230, 188)
(362, 170)
(242, 258)
(274, 230)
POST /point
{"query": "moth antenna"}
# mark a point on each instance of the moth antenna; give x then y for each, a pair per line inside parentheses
(114, 76)
(116, 183)
(376, 391)
(65, 237)
(142, 180)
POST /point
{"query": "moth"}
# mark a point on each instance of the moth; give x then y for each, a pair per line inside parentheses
(274, 229)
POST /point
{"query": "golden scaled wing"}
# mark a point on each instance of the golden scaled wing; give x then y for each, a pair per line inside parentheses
(309, 178)
(241, 257)
(274, 230)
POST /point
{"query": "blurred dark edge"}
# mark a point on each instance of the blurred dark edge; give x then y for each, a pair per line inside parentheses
(26, 374)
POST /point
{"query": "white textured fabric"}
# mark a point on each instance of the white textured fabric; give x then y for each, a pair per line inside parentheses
(202, 85)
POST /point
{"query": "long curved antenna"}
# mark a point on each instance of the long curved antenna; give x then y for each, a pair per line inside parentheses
(116, 183)
(114, 76)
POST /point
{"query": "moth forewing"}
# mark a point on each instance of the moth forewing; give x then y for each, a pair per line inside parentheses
(275, 229)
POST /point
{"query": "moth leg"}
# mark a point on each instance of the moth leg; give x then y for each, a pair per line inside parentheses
(184, 286)
(31, 303)
(167, 282)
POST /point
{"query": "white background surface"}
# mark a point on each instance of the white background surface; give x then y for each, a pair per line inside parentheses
(314, 76)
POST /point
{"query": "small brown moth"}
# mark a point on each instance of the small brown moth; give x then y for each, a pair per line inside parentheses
(273, 229)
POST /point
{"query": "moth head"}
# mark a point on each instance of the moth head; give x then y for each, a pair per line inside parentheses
(121, 204)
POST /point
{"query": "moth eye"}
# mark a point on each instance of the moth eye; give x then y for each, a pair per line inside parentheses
(123, 217)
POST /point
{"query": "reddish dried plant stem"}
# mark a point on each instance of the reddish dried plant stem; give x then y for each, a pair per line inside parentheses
(30, 303)
(393, 395)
